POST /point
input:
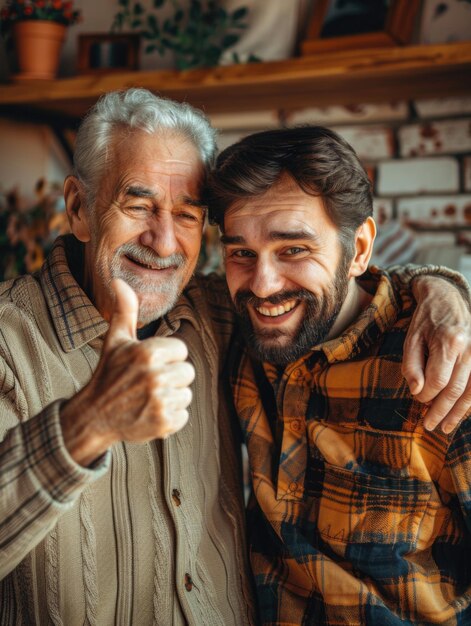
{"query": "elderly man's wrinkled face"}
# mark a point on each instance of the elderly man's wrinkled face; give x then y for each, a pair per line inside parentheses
(147, 222)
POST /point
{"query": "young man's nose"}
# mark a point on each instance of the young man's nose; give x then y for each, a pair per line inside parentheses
(265, 280)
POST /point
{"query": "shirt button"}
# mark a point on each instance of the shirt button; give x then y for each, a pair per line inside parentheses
(296, 426)
(188, 582)
(176, 497)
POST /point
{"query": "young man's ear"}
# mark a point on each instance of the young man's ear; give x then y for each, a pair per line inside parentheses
(76, 209)
(364, 238)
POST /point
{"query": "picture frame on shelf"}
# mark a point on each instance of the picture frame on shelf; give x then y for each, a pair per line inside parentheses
(338, 25)
(107, 52)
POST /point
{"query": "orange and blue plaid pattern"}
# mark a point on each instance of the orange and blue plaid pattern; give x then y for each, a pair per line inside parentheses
(358, 515)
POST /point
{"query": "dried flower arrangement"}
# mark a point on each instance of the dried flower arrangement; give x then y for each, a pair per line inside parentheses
(27, 229)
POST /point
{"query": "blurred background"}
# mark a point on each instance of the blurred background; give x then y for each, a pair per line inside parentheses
(392, 77)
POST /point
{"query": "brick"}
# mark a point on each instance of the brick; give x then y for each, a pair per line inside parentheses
(467, 173)
(465, 266)
(371, 143)
(435, 211)
(348, 114)
(435, 240)
(447, 137)
(410, 176)
(371, 171)
(443, 107)
(383, 210)
(249, 120)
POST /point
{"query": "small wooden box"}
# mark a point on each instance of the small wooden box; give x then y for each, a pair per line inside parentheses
(107, 52)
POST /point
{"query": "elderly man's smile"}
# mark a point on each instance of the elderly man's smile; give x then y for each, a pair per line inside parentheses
(149, 266)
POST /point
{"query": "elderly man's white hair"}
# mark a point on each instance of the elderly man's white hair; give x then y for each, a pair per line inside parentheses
(135, 109)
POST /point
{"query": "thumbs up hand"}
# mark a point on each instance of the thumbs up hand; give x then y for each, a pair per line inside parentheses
(139, 391)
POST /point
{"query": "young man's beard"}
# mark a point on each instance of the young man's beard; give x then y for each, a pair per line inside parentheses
(319, 317)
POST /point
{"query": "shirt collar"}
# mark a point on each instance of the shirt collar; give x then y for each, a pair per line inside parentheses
(380, 315)
(75, 318)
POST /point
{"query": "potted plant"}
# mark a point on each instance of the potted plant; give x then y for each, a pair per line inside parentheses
(198, 32)
(37, 29)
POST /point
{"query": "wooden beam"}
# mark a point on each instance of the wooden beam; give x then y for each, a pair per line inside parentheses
(348, 77)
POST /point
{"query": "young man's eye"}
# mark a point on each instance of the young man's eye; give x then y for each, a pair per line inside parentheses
(294, 250)
(242, 254)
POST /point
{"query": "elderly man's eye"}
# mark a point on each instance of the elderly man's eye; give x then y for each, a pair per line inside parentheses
(189, 216)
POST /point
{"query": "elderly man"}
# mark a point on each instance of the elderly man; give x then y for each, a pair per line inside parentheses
(145, 534)
(359, 514)
(104, 518)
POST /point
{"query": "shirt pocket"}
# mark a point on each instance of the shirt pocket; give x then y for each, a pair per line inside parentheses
(357, 508)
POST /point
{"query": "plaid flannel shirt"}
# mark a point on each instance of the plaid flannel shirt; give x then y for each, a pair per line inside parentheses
(358, 514)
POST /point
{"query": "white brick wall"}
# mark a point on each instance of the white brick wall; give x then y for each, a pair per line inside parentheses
(447, 137)
(371, 143)
(436, 210)
(383, 210)
(418, 158)
(443, 107)
(467, 173)
(353, 114)
(410, 176)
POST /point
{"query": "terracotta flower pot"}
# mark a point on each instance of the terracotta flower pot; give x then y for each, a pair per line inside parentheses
(38, 45)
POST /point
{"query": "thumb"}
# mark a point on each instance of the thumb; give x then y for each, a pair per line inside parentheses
(123, 321)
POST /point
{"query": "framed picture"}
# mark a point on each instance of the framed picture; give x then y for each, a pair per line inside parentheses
(351, 24)
(105, 52)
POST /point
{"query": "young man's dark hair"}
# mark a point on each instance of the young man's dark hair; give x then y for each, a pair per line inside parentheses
(316, 158)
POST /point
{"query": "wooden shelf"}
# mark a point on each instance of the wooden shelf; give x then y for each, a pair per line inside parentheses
(378, 75)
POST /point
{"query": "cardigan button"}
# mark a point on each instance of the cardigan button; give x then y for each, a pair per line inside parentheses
(176, 497)
(188, 582)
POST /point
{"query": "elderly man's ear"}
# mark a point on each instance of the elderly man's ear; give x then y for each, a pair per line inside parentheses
(76, 208)
(364, 238)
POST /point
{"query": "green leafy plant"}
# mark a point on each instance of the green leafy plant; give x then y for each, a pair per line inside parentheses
(198, 32)
(130, 15)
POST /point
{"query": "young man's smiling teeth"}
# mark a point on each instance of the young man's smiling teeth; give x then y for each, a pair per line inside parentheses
(276, 310)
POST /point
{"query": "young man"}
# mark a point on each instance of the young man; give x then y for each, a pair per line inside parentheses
(359, 514)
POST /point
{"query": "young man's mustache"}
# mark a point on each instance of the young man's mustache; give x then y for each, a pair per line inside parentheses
(245, 297)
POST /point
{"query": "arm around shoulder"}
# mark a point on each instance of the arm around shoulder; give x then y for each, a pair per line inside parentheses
(437, 350)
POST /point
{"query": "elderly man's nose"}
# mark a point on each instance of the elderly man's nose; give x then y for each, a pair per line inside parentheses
(161, 237)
